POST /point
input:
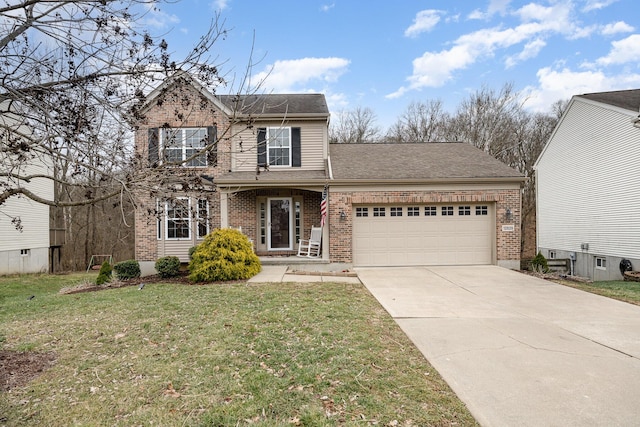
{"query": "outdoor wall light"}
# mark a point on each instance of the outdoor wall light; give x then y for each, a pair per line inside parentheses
(343, 215)
(508, 214)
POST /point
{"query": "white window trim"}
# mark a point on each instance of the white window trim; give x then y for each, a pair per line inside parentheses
(166, 219)
(289, 147)
(603, 263)
(183, 147)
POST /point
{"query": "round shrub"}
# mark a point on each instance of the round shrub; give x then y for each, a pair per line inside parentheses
(129, 269)
(225, 254)
(104, 275)
(168, 266)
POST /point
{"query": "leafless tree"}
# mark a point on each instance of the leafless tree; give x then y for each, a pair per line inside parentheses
(72, 75)
(420, 122)
(354, 127)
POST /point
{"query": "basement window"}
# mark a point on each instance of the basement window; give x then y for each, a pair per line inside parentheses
(25, 252)
(601, 263)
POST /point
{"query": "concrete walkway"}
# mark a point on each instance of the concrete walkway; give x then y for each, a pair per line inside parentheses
(519, 351)
(278, 273)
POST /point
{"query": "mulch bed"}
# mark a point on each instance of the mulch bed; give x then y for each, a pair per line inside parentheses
(18, 368)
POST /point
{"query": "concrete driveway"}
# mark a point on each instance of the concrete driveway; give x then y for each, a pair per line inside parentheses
(518, 350)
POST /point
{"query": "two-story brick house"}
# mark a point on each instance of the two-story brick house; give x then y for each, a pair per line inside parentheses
(263, 162)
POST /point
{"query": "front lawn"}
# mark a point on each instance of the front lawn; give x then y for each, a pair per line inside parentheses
(216, 355)
(616, 289)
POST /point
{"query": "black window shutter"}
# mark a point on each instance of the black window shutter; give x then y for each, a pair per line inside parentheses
(153, 147)
(262, 147)
(212, 146)
(296, 155)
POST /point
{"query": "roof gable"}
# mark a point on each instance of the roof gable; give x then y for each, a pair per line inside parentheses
(415, 162)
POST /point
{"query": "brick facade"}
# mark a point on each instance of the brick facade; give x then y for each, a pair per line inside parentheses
(181, 105)
(340, 232)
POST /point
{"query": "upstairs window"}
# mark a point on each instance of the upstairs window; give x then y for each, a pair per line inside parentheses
(279, 146)
(191, 147)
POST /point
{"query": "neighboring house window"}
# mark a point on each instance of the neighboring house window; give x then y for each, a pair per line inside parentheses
(378, 212)
(464, 210)
(447, 211)
(601, 263)
(203, 218)
(279, 146)
(413, 211)
(183, 146)
(362, 212)
(396, 211)
(430, 211)
(178, 219)
(481, 210)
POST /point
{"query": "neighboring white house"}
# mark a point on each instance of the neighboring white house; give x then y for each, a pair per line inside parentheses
(588, 185)
(24, 250)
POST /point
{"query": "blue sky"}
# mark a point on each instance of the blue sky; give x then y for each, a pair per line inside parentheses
(385, 54)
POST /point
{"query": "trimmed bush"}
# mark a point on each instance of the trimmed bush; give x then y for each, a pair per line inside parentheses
(129, 269)
(104, 275)
(168, 266)
(192, 249)
(225, 254)
(539, 264)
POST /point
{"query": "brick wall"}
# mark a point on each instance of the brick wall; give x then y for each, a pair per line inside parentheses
(181, 105)
(340, 232)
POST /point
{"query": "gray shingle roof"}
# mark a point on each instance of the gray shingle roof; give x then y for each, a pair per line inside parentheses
(627, 99)
(418, 161)
(280, 104)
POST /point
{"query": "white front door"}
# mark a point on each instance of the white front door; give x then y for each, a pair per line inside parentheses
(280, 224)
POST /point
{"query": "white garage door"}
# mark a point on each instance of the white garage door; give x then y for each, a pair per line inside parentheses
(387, 235)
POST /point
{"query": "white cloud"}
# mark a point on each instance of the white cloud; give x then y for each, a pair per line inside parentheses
(424, 21)
(623, 51)
(555, 85)
(617, 27)
(495, 6)
(434, 69)
(220, 4)
(156, 18)
(529, 51)
(327, 7)
(597, 4)
(291, 75)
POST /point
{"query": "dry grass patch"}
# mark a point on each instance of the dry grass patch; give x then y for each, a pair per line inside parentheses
(218, 355)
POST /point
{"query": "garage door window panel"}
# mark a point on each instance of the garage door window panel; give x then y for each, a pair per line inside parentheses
(413, 211)
(362, 212)
(395, 211)
(447, 211)
(430, 211)
(464, 210)
(379, 212)
(482, 210)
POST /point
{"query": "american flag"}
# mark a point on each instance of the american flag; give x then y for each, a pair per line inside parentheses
(323, 206)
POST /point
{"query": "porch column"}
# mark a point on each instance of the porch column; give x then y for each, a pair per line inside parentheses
(224, 209)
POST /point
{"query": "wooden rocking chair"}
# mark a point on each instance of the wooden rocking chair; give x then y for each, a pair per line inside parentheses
(311, 248)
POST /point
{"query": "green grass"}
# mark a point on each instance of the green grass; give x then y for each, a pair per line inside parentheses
(616, 289)
(285, 354)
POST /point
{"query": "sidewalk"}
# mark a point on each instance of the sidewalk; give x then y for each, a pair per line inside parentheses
(278, 273)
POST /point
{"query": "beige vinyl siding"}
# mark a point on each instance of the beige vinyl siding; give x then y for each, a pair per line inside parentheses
(587, 180)
(313, 135)
(34, 216)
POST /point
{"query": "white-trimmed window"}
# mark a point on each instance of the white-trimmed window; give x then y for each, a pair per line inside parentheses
(447, 211)
(362, 212)
(202, 217)
(182, 144)
(413, 211)
(430, 211)
(601, 263)
(482, 210)
(395, 211)
(177, 218)
(279, 146)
